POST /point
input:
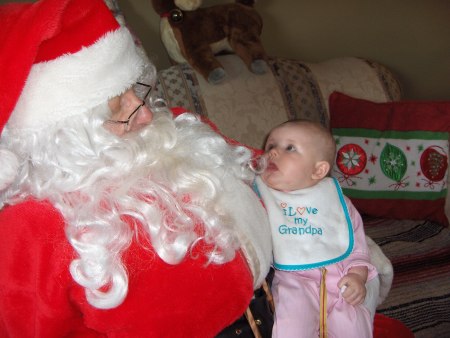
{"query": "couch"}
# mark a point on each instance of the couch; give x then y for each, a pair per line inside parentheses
(246, 106)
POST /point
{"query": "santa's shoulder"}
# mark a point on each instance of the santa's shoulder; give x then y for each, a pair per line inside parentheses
(31, 211)
(31, 223)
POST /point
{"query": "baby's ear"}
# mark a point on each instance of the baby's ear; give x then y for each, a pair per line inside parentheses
(321, 170)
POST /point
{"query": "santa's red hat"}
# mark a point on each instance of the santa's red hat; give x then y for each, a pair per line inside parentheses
(59, 58)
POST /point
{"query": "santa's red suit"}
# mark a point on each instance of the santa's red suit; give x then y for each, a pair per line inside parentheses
(39, 298)
(66, 272)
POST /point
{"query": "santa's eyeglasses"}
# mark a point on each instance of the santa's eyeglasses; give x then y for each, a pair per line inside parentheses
(142, 91)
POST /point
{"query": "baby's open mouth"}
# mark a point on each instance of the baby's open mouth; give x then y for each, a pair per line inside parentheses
(272, 166)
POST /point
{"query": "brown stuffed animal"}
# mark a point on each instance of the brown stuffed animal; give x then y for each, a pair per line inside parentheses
(194, 35)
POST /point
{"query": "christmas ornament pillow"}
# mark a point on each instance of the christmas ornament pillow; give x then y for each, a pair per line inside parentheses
(392, 158)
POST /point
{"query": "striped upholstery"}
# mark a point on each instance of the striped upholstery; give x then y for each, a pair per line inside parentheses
(420, 254)
(246, 106)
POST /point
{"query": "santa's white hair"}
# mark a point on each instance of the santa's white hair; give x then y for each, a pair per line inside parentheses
(164, 180)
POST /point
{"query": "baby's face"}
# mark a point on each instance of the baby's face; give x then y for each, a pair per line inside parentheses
(291, 153)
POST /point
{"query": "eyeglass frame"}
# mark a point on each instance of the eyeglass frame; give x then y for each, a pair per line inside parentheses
(127, 121)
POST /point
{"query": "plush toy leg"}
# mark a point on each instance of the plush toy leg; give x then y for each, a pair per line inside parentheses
(216, 76)
(259, 67)
(209, 67)
(255, 61)
(249, 48)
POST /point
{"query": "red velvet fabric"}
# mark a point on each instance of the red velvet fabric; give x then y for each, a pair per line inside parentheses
(385, 327)
(38, 297)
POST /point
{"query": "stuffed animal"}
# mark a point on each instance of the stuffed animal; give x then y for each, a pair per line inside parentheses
(195, 35)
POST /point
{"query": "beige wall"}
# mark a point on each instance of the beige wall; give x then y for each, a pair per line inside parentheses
(411, 37)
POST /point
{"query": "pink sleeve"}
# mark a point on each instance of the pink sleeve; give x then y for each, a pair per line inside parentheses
(360, 254)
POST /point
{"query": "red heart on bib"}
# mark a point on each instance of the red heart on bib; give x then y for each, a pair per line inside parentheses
(301, 210)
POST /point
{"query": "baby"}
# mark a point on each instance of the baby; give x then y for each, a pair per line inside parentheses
(321, 258)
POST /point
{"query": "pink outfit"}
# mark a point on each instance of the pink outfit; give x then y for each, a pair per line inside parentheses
(296, 296)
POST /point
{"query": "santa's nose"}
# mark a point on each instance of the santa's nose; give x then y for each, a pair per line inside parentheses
(142, 117)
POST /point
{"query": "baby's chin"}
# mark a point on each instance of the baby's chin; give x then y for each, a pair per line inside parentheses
(276, 184)
(272, 182)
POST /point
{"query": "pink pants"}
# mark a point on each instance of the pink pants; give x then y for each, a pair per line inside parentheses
(296, 295)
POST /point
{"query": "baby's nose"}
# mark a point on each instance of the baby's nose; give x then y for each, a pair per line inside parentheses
(273, 153)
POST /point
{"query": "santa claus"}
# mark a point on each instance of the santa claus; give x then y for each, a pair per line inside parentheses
(117, 219)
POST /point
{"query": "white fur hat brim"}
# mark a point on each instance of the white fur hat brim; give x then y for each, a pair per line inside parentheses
(73, 83)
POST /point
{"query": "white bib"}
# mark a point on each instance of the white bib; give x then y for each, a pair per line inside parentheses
(311, 227)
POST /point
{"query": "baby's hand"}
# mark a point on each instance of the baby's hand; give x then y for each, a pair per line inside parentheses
(353, 286)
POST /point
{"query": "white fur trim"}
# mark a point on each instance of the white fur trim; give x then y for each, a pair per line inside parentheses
(10, 167)
(384, 268)
(188, 5)
(378, 288)
(169, 41)
(254, 229)
(74, 83)
(372, 295)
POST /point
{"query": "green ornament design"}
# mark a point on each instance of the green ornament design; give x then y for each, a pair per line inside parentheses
(393, 162)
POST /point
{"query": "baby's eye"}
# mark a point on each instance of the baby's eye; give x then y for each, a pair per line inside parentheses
(290, 148)
(269, 147)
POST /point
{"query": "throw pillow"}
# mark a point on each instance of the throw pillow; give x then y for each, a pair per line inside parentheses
(392, 158)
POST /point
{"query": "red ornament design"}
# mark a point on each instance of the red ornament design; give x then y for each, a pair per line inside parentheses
(434, 163)
(351, 159)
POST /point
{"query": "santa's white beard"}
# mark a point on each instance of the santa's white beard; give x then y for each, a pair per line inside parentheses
(169, 177)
